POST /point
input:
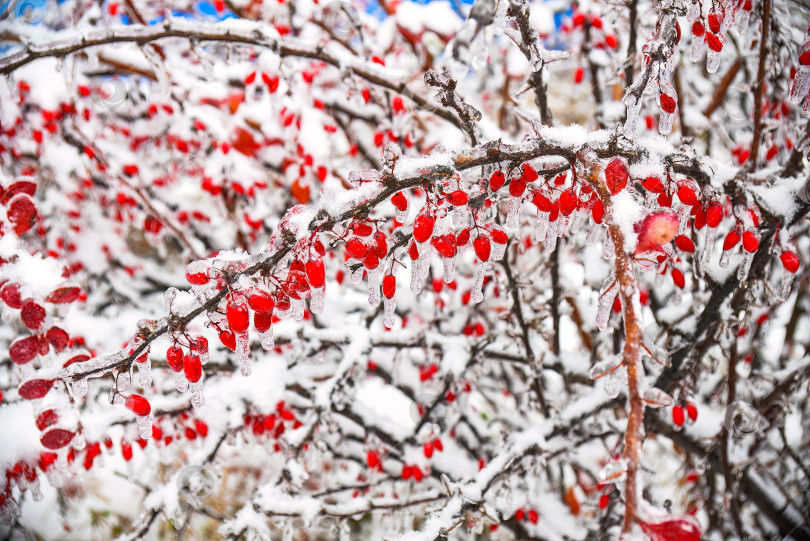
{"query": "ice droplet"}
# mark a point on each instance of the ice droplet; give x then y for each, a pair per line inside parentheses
(374, 279)
(693, 13)
(607, 249)
(712, 61)
(665, 121)
(123, 381)
(266, 339)
(197, 398)
(145, 373)
(683, 213)
(745, 265)
(449, 273)
(613, 472)
(298, 307)
(633, 113)
(551, 237)
(656, 398)
(541, 226)
(180, 382)
(605, 366)
(724, 257)
(390, 306)
(497, 251)
(145, 426)
(357, 276)
(513, 211)
(316, 300)
(243, 353)
(80, 388)
(478, 287)
(607, 295)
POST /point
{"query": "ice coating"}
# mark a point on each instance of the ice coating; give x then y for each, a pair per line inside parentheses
(655, 230)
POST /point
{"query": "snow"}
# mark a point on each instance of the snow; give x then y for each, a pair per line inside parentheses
(626, 212)
(20, 435)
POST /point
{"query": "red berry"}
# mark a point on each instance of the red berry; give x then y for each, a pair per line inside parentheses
(691, 412)
(250, 78)
(499, 237)
(396, 104)
(56, 438)
(445, 245)
(750, 242)
(11, 296)
(126, 450)
(579, 75)
(261, 302)
(371, 261)
(714, 215)
(47, 418)
(496, 181)
(228, 340)
(32, 315)
(238, 317)
(529, 174)
(684, 243)
(716, 21)
(373, 459)
(683, 528)
(482, 248)
(197, 278)
(174, 358)
(715, 42)
(804, 58)
(678, 279)
(698, 29)
(517, 187)
(315, 273)
(389, 286)
(652, 184)
(604, 499)
(192, 368)
(356, 248)
(362, 229)
(399, 201)
(427, 448)
(413, 251)
(541, 201)
(380, 244)
(568, 202)
(790, 261)
(423, 227)
(677, 415)
(667, 103)
(458, 198)
(731, 240)
(598, 211)
(687, 195)
(533, 516)
(262, 321)
(34, 389)
(616, 176)
(138, 405)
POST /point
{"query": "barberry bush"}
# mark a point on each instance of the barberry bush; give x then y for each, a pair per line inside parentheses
(308, 270)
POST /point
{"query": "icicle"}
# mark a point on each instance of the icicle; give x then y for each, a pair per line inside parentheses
(478, 287)
(513, 212)
(745, 265)
(297, 306)
(541, 226)
(402, 215)
(374, 280)
(607, 249)
(743, 16)
(9, 511)
(706, 251)
(806, 106)
(605, 366)
(357, 276)
(593, 234)
(416, 282)
(197, 398)
(633, 113)
(665, 121)
(563, 223)
(390, 306)
(656, 398)
(145, 426)
(202, 351)
(449, 269)
(607, 296)
(693, 13)
(613, 472)
(123, 380)
(683, 212)
(551, 237)
(461, 216)
(724, 257)
(316, 300)
(145, 373)
(266, 339)
(712, 60)
(180, 382)
(497, 251)
(243, 353)
(80, 388)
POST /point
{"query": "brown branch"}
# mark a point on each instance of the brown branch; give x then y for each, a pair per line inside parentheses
(720, 92)
(758, 91)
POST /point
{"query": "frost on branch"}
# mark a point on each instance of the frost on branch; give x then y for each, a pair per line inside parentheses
(210, 225)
